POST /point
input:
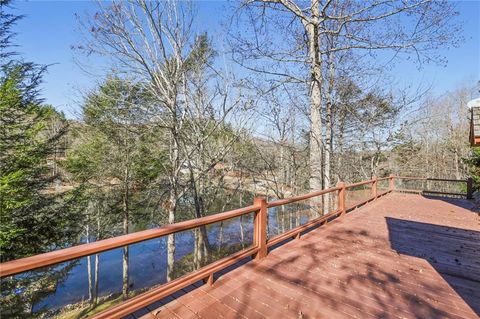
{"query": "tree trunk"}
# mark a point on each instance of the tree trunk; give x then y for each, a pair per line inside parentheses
(89, 269)
(197, 258)
(171, 238)
(125, 273)
(125, 283)
(173, 192)
(316, 138)
(97, 272)
(457, 166)
(202, 246)
(97, 267)
(220, 236)
(339, 149)
(242, 235)
(328, 133)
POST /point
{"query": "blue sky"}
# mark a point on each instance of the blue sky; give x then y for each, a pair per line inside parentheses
(46, 35)
(49, 29)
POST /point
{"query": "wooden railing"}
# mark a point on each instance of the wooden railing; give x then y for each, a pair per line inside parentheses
(258, 250)
(431, 186)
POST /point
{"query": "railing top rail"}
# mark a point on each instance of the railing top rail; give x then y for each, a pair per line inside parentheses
(54, 257)
(432, 179)
(411, 177)
(285, 201)
(447, 180)
(359, 183)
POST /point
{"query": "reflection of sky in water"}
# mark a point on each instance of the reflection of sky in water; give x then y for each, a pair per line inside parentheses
(148, 260)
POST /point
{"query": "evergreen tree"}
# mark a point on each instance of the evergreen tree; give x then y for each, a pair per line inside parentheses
(32, 219)
(116, 130)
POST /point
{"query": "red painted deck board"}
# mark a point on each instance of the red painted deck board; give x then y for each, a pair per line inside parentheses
(402, 256)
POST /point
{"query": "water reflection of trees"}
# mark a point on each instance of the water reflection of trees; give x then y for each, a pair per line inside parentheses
(21, 293)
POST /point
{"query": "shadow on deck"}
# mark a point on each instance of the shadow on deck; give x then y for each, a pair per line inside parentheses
(450, 251)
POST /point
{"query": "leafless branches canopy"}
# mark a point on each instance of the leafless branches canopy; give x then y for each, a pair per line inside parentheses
(318, 43)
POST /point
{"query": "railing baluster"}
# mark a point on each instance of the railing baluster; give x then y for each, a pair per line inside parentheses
(260, 227)
(391, 180)
(374, 187)
(341, 197)
(209, 280)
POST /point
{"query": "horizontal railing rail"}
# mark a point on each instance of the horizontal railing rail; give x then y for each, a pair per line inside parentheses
(467, 191)
(54, 257)
(384, 178)
(258, 250)
(448, 180)
(293, 199)
(360, 183)
(432, 179)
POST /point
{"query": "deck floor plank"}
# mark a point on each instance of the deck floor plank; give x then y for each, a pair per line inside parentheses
(401, 256)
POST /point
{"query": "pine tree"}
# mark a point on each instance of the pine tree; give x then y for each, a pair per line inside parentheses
(33, 219)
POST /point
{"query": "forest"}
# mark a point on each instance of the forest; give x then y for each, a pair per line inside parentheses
(297, 99)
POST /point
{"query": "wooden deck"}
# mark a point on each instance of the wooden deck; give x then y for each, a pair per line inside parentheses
(403, 256)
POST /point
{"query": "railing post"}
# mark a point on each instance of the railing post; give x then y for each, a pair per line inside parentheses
(374, 186)
(341, 197)
(469, 188)
(260, 227)
(391, 182)
(208, 280)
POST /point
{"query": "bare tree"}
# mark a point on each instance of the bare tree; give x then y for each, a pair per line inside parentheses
(281, 144)
(207, 136)
(433, 141)
(153, 42)
(320, 30)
